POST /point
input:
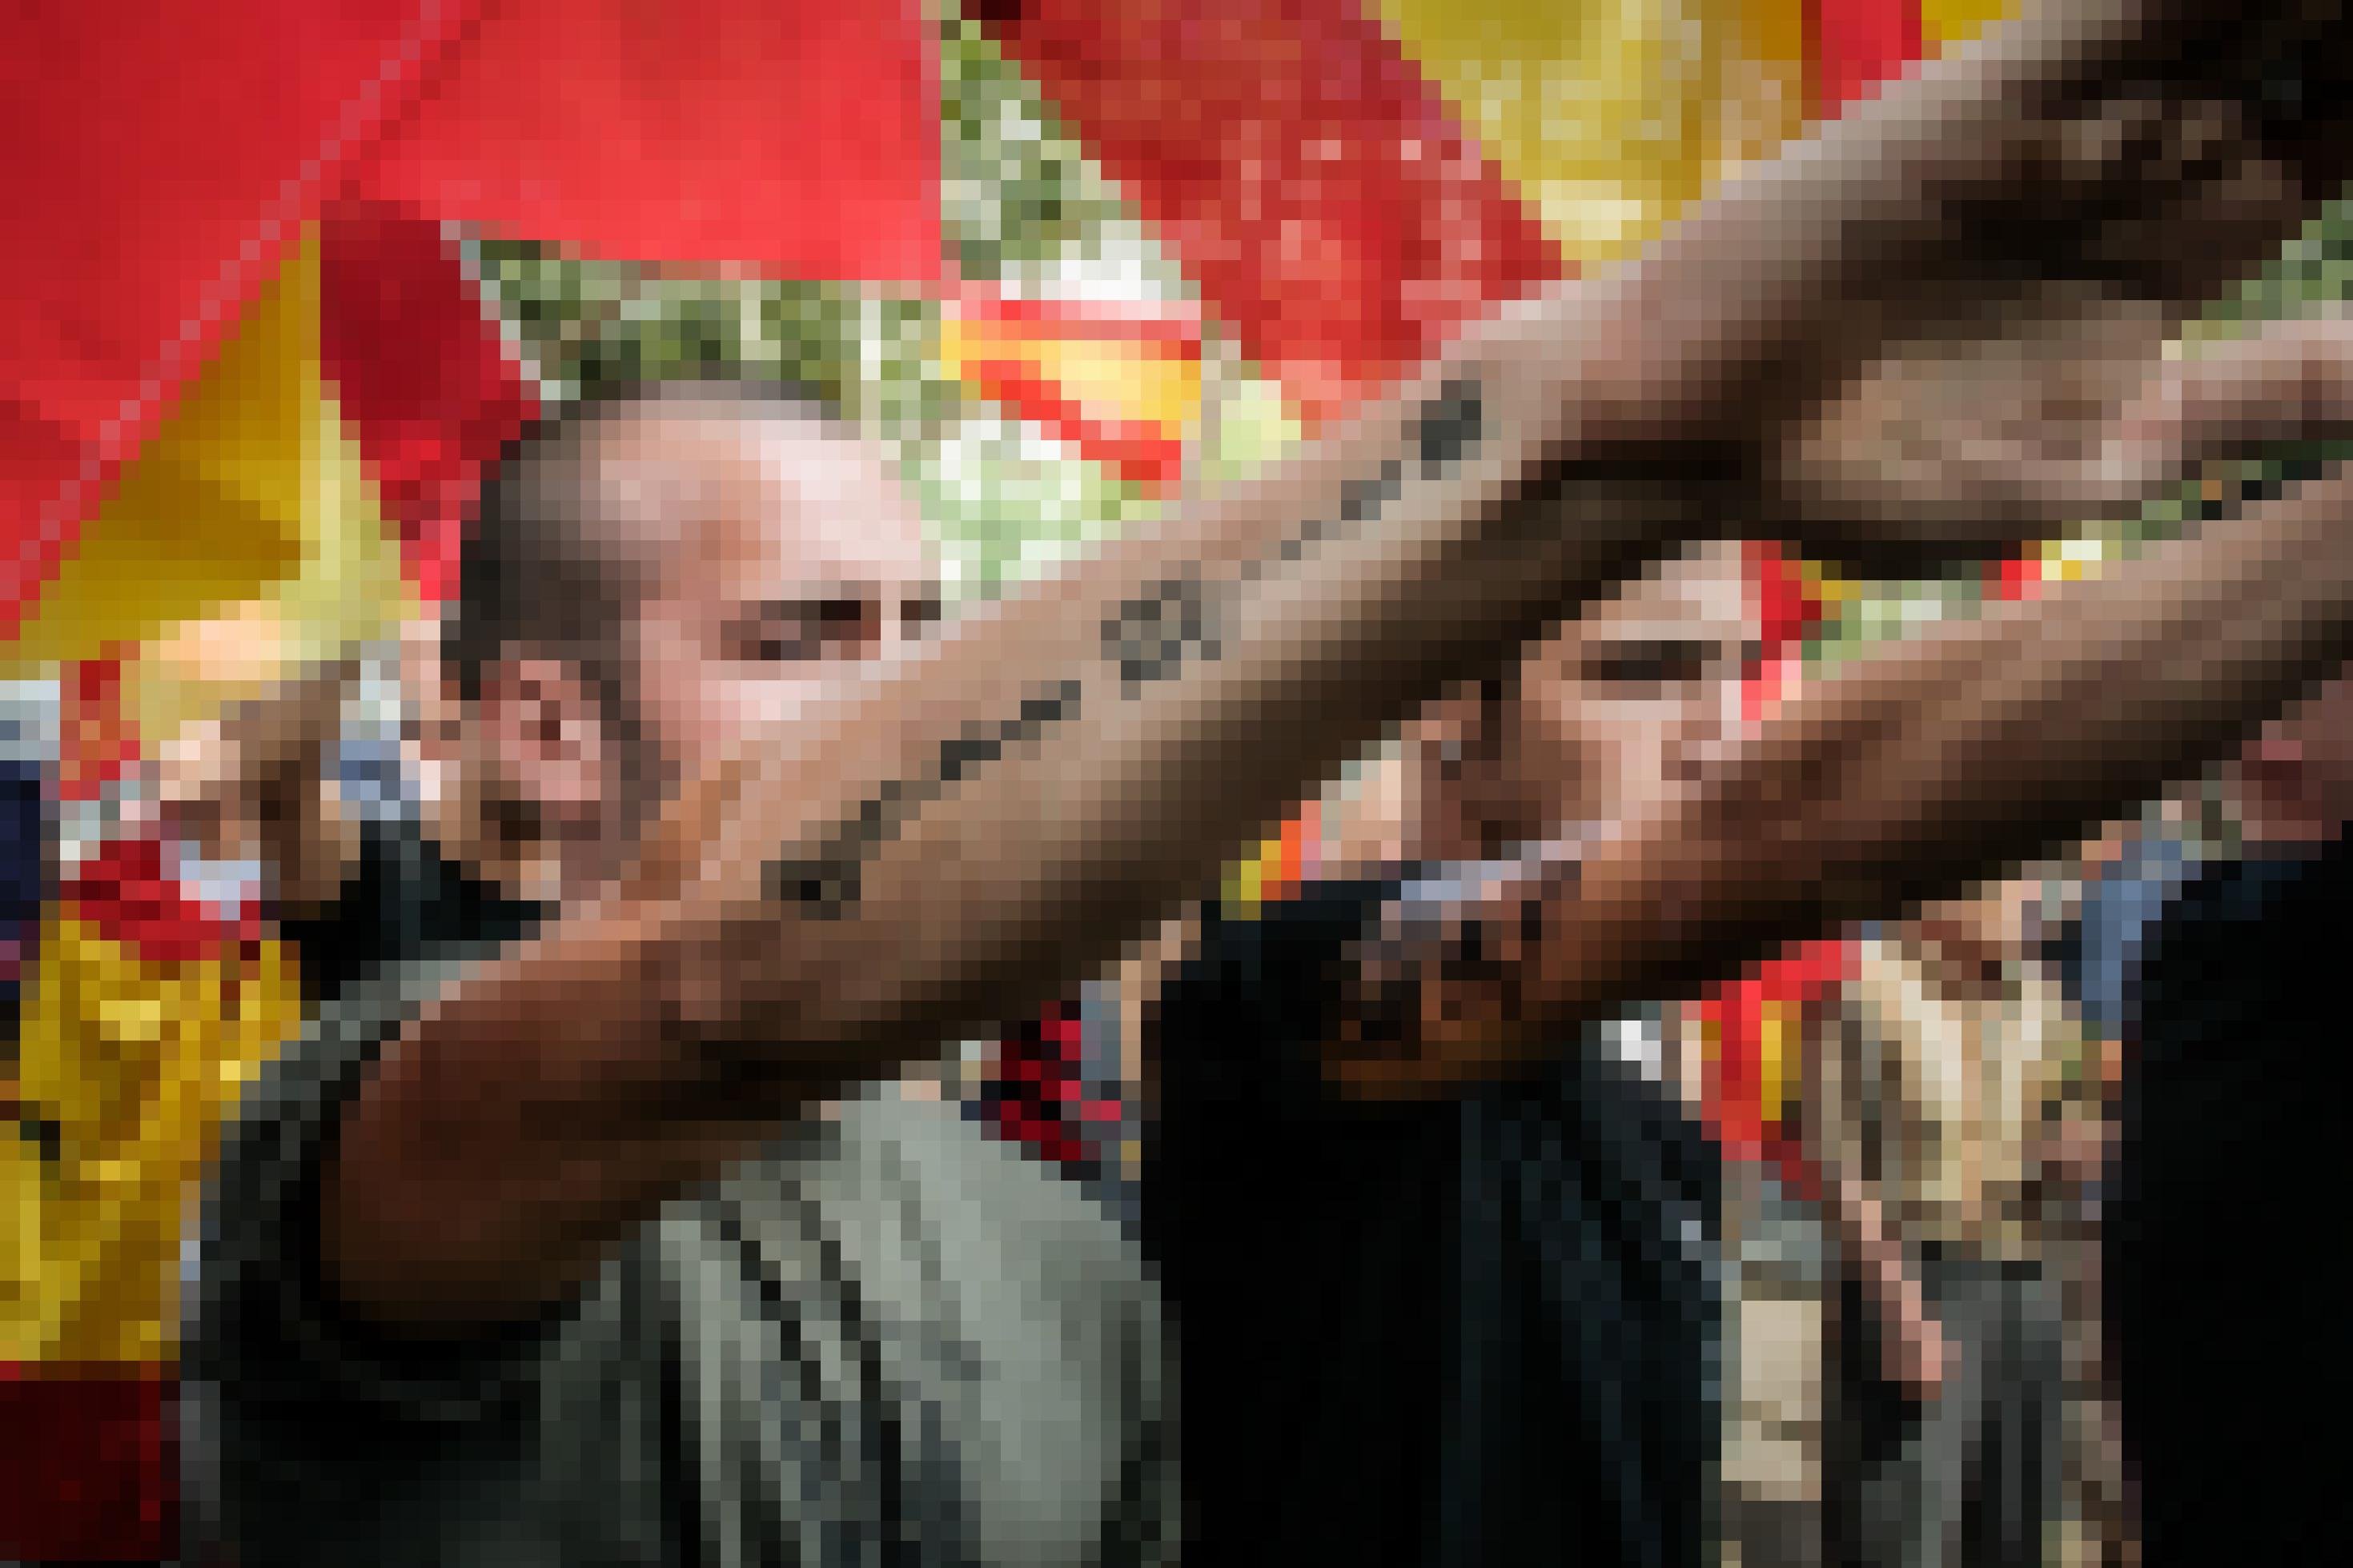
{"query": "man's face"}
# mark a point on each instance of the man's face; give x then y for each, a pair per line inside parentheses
(793, 557)
(1613, 713)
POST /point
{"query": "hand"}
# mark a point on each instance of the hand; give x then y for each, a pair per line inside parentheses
(1972, 441)
(1916, 1355)
(2286, 381)
(1914, 1352)
(256, 781)
(1983, 397)
(2074, 1153)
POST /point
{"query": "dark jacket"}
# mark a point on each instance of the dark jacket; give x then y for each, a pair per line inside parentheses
(1480, 1330)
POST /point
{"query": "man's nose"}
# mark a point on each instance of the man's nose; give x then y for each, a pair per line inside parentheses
(1705, 738)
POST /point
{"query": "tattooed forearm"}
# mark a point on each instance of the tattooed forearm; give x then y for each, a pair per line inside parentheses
(1445, 428)
(1453, 945)
(1151, 639)
(1449, 425)
(1153, 636)
(825, 884)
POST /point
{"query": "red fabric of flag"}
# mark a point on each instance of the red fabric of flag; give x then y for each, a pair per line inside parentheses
(129, 895)
(1858, 44)
(163, 154)
(182, 145)
(1141, 453)
(1741, 1112)
(89, 1470)
(1311, 180)
(793, 141)
(419, 372)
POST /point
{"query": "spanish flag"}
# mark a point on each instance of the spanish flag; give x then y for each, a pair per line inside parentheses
(1120, 384)
(147, 1009)
(247, 367)
(188, 146)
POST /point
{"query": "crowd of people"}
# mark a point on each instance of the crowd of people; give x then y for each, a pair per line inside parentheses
(601, 1199)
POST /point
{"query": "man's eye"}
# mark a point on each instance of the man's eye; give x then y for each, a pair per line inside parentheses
(1648, 667)
(801, 630)
(1635, 672)
(778, 649)
(1646, 672)
(773, 642)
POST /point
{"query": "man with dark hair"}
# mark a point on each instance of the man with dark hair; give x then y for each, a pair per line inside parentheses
(1513, 1352)
(551, 561)
(560, 561)
(540, 1249)
(886, 1323)
(550, 564)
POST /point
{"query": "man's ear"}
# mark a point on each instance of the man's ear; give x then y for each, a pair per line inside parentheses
(545, 727)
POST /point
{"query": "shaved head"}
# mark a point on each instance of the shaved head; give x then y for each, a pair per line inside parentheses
(676, 568)
(562, 551)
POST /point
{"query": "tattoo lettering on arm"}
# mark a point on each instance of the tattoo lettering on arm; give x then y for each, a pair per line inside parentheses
(1151, 639)
(826, 884)
(1361, 501)
(1449, 425)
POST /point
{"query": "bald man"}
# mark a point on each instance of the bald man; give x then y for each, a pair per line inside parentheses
(535, 1250)
(883, 1326)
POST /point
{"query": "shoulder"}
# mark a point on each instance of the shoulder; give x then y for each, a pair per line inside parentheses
(322, 1063)
(255, 1316)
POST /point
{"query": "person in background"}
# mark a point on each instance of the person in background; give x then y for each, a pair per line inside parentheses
(154, 992)
(1368, 1416)
(1937, 1081)
(2220, 1191)
(2132, 872)
(834, 1340)
(560, 1093)
(1533, 1262)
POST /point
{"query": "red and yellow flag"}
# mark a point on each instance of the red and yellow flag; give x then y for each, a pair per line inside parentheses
(1122, 383)
(188, 145)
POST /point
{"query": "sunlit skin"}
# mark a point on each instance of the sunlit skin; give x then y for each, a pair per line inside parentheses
(1616, 711)
(796, 553)
(561, 1092)
(778, 554)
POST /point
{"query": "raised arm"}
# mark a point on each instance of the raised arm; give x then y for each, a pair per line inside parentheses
(954, 838)
(254, 781)
(1931, 764)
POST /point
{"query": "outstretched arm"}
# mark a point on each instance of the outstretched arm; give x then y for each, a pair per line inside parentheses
(1933, 763)
(951, 840)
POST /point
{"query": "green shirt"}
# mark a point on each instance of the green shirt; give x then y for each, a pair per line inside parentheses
(886, 1340)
